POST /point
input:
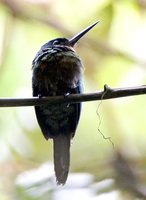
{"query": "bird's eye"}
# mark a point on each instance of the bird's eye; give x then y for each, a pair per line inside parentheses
(55, 42)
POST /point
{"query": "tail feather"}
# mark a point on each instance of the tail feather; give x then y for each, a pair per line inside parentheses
(61, 157)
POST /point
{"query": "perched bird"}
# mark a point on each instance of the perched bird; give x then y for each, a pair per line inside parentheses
(58, 70)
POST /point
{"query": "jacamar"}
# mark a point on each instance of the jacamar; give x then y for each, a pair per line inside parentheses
(58, 70)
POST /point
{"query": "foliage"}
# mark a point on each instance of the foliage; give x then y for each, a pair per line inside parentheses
(113, 53)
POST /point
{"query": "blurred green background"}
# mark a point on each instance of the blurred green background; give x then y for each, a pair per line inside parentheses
(113, 53)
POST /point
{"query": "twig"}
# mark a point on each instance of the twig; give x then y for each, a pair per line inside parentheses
(18, 10)
(111, 93)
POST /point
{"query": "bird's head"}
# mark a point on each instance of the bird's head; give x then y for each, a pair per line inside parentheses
(69, 42)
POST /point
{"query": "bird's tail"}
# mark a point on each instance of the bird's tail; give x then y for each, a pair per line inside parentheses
(61, 157)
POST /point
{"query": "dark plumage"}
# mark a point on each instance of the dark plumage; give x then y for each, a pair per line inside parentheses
(58, 70)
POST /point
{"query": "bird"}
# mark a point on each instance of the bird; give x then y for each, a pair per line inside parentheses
(58, 70)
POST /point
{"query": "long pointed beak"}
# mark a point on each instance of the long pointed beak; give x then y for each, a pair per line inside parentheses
(74, 39)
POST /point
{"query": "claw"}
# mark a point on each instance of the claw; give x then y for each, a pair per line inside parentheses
(65, 96)
(39, 96)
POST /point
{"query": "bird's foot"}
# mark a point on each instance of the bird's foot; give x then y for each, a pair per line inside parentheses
(39, 96)
(65, 96)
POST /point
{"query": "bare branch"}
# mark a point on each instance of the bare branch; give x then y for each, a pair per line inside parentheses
(107, 93)
(18, 10)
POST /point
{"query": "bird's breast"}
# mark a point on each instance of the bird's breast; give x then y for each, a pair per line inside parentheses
(58, 67)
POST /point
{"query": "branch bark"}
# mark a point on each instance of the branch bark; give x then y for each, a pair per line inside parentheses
(107, 93)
